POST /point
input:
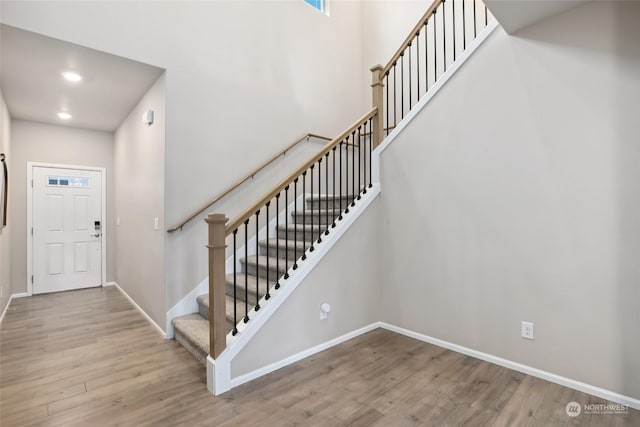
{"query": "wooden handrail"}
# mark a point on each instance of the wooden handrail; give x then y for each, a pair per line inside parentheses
(411, 36)
(278, 188)
(245, 179)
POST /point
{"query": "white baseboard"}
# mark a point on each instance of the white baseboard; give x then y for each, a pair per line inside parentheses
(186, 305)
(534, 372)
(146, 316)
(21, 295)
(11, 298)
(301, 355)
(6, 307)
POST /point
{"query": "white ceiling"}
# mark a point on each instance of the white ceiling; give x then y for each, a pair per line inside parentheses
(513, 15)
(31, 81)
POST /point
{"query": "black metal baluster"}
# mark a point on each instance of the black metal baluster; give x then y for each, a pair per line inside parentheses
(333, 206)
(474, 19)
(346, 175)
(359, 161)
(401, 85)
(304, 216)
(370, 149)
(295, 226)
(486, 21)
(464, 26)
(277, 285)
(426, 58)
(340, 186)
(353, 168)
(410, 84)
(453, 12)
(319, 199)
(444, 37)
(326, 187)
(395, 89)
(268, 295)
(235, 285)
(257, 307)
(311, 249)
(418, 61)
(246, 271)
(286, 232)
(364, 155)
(387, 110)
(435, 48)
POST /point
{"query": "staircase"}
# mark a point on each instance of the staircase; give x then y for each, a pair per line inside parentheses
(348, 165)
(192, 330)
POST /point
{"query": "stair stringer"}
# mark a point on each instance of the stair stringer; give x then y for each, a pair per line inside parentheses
(219, 377)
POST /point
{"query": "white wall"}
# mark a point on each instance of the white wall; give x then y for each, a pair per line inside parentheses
(514, 196)
(139, 199)
(5, 234)
(243, 80)
(39, 142)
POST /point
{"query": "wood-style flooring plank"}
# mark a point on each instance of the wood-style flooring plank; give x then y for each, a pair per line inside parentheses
(88, 358)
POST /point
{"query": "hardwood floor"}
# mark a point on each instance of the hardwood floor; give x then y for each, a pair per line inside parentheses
(88, 358)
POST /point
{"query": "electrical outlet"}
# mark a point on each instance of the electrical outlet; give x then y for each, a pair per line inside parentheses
(527, 330)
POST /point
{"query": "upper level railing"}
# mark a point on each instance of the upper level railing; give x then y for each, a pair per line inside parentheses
(246, 178)
(434, 43)
(330, 182)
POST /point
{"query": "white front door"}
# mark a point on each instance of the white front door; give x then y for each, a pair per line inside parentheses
(67, 229)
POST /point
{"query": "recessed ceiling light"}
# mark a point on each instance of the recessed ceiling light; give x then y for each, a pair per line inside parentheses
(64, 116)
(72, 76)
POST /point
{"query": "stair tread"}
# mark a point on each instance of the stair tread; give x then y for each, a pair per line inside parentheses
(330, 197)
(299, 212)
(261, 260)
(195, 328)
(204, 301)
(282, 243)
(299, 226)
(240, 281)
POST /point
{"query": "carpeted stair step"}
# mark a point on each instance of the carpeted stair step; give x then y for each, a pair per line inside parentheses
(257, 266)
(192, 331)
(326, 201)
(282, 248)
(305, 217)
(203, 308)
(240, 286)
(289, 231)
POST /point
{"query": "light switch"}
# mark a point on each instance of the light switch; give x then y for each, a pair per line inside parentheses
(156, 223)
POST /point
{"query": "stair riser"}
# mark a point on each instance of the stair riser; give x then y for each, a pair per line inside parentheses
(328, 204)
(240, 291)
(271, 274)
(299, 236)
(299, 219)
(291, 253)
(204, 312)
(193, 349)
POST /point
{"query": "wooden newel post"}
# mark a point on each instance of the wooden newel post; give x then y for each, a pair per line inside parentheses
(377, 86)
(217, 312)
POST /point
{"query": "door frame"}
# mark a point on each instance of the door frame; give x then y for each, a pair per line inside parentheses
(30, 166)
